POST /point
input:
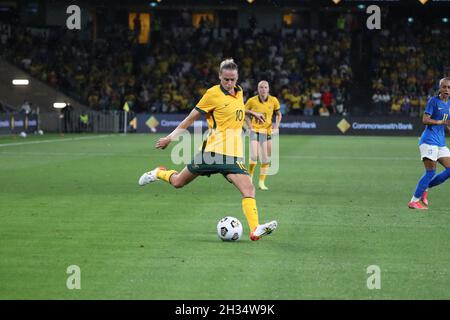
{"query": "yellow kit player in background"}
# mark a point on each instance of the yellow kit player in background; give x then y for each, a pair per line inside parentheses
(222, 151)
(261, 132)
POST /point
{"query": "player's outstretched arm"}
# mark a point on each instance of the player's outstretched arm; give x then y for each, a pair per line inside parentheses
(258, 116)
(162, 143)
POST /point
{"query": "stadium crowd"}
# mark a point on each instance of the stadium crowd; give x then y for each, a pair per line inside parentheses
(406, 64)
(309, 71)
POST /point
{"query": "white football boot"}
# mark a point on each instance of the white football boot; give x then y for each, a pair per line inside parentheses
(263, 229)
(150, 176)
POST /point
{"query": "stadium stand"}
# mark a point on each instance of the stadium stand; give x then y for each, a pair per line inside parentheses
(313, 72)
(170, 75)
(406, 64)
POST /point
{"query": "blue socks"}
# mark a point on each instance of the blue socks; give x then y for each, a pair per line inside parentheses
(441, 177)
(424, 182)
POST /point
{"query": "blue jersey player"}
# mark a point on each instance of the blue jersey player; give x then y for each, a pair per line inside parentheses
(432, 145)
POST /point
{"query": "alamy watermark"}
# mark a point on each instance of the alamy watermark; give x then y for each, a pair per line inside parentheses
(73, 22)
(74, 278)
(374, 280)
(373, 22)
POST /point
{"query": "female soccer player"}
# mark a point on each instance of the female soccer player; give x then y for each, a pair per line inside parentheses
(432, 145)
(221, 152)
(261, 132)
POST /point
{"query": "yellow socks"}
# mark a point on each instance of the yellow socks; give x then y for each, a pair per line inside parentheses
(165, 174)
(263, 171)
(251, 212)
(251, 168)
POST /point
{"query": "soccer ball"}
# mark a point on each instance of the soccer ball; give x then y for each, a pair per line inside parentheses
(23, 134)
(229, 229)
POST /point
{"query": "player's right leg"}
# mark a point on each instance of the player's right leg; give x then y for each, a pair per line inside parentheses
(254, 152)
(265, 162)
(245, 186)
(176, 179)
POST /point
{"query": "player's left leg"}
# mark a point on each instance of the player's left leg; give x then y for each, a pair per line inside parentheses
(266, 146)
(243, 183)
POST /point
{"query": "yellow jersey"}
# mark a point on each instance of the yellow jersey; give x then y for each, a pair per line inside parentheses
(267, 108)
(225, 115)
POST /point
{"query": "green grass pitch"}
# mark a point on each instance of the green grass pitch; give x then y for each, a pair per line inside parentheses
(341, 204)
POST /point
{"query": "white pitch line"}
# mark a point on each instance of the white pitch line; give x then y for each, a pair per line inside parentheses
(53, 140)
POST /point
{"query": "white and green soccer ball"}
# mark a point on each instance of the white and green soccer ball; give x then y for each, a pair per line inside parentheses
(229, 229)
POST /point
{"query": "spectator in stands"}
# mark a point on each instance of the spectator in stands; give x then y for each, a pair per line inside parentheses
(339, 102)
(294, 101)
(327, 100)
(396, 105)
(317, 99)
(376, 103)
(385, 100)
(405, 107)
(309, 106)
(323, 111)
